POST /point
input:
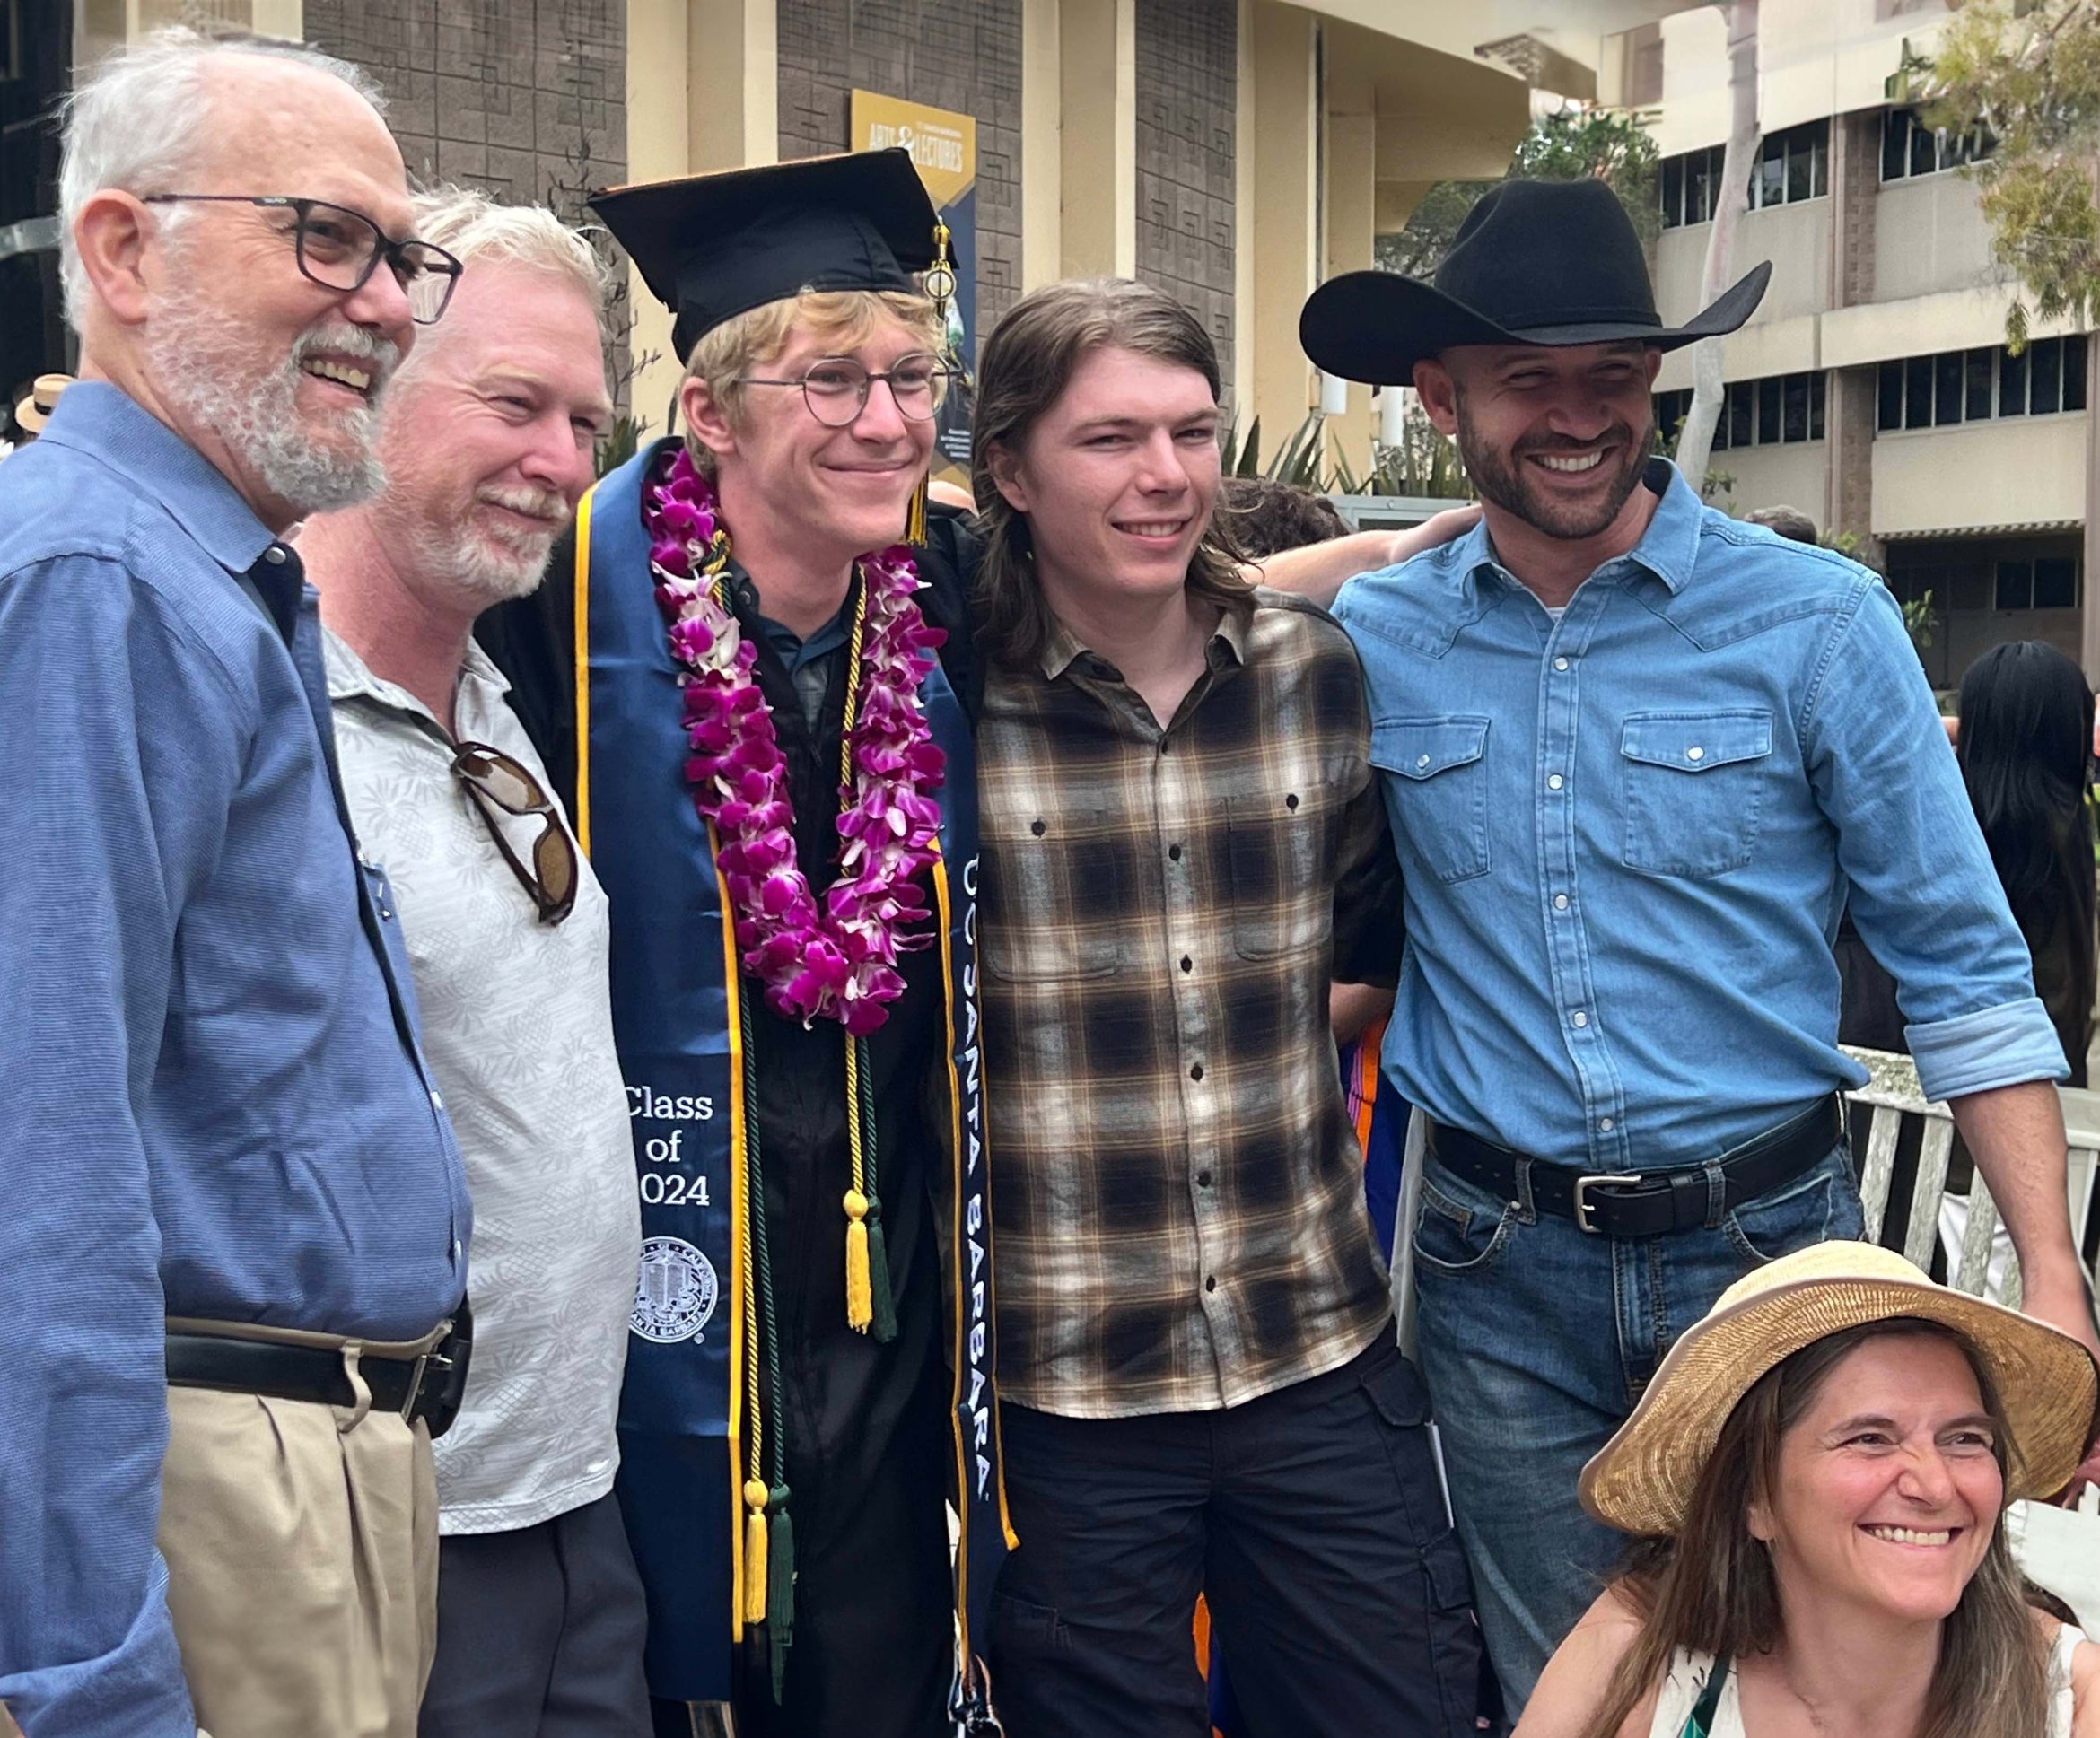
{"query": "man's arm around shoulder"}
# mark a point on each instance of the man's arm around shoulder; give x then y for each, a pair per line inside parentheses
(1318, 570)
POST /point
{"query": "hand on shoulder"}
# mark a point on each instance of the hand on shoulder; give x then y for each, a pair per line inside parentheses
(1574, 1683)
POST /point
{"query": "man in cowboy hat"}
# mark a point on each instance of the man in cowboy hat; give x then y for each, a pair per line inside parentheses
(1637, 755)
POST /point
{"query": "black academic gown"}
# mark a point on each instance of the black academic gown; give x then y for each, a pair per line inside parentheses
(867, 1432)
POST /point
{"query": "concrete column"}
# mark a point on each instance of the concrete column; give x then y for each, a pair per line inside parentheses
(1241, 386)
(1281, 234)
(1042, 151)
(732, 83)
(659, 148)
(1097, 142)
(1349, 222)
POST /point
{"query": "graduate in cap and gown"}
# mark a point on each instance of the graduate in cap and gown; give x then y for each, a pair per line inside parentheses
(754, 691)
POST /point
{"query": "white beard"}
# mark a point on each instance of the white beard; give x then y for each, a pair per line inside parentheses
(490, 567)
(204, 371)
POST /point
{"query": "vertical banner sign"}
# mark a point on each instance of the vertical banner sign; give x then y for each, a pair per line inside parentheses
(944, 145)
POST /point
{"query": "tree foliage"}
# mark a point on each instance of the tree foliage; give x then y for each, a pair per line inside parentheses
(1569, 144)
(2029, 75)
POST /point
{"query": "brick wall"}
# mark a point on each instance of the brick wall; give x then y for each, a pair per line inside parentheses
(526, 98)
(1187, 81)
(963, 55)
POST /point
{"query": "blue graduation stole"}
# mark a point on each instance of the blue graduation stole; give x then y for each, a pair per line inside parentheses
(677, 1021)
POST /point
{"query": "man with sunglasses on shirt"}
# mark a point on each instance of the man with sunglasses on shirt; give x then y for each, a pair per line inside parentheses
(487, 438)
(233, 1218)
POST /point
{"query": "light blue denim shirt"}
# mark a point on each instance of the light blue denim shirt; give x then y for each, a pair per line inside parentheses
(212, 1100)
(1628, 836)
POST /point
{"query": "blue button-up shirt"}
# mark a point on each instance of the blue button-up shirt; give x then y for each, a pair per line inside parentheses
(1628, 836)
(211, 1101)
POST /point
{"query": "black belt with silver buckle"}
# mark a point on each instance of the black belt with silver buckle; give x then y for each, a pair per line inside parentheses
(1648, 1204)
(427, 1387)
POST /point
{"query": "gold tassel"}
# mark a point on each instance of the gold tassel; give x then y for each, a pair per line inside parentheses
(915, 515)
(755, 1581)
(860, 1287)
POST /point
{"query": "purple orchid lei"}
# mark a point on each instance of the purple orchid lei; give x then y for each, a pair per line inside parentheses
(836, 960)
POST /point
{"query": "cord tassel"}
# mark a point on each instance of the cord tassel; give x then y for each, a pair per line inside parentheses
(882, 1305)
(860, 1294)
(754, 1571)
(780, 1604)
(915, 515)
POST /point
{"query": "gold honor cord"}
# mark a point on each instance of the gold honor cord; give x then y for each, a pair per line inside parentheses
(939, 286)
(869, 1306)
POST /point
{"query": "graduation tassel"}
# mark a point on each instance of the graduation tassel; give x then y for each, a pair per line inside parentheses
(860, 1294)
(881, 1305)
(755, 1580)
(780, 1604)
(938, 284)
(915, 515)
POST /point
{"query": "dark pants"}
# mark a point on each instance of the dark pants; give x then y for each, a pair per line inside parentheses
(539, 1633)
(1312, 1520)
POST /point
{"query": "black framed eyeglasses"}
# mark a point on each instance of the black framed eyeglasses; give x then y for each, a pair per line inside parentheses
(339, 249)
(491, 777)
(836, 387)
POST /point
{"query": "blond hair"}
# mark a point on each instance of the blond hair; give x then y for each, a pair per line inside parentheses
(723, 354)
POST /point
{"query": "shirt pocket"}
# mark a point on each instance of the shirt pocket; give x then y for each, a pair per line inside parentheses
(1438, 790)
(1282, 875)
(1692, 788)
(1062, 884)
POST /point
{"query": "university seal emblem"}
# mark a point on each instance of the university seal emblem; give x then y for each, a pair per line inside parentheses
(676, 1293)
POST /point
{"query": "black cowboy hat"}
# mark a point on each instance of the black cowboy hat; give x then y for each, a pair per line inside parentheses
(1535, 262)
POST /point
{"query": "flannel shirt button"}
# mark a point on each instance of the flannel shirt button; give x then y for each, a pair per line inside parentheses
(1037, 828)
(1290, 801)
(1202, 1179)
(1188, 965)
(1196, 1072)
(1210, 1284)
(1174, 853)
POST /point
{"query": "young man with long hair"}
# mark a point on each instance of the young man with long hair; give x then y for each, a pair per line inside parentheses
(1183, 846)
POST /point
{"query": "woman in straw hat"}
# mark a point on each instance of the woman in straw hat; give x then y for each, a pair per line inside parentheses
(1815, 1479)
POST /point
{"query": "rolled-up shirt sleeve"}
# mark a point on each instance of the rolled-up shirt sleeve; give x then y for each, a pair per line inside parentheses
(118, 757)
(1924, 893)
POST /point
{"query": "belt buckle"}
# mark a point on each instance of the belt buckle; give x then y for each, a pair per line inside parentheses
(1604, 1180)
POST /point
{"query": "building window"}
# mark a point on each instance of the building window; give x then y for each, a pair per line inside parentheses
(1909, 147)
(1779, 408)
(1972, 386)
(1792, 165)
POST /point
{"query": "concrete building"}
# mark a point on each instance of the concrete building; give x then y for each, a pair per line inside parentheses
(1235, 152)
(1873, 389)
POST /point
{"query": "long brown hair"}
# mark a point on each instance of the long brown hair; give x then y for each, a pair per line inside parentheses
(1028, 361)
(1710, 1587)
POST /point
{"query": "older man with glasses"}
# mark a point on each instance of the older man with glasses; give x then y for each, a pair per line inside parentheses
(487, 437)
(236, 1220)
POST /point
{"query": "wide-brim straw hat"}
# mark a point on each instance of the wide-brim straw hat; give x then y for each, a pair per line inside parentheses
(1642, 1479)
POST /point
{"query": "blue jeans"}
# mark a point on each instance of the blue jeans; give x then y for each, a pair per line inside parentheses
(1537, 1339)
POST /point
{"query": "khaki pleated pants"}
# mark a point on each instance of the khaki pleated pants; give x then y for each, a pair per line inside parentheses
(302, 1548)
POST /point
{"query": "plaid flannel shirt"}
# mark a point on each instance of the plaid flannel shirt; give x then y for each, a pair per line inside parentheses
(1178, 1195)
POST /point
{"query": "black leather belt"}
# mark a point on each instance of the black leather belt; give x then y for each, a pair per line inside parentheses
(428, 1387)
(1647, 1203)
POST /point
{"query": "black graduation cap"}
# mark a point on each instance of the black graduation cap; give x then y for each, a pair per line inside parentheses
(712, 246)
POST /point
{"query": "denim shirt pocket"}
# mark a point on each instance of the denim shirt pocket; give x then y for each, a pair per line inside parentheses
(1691, 789)
(1436, 789)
